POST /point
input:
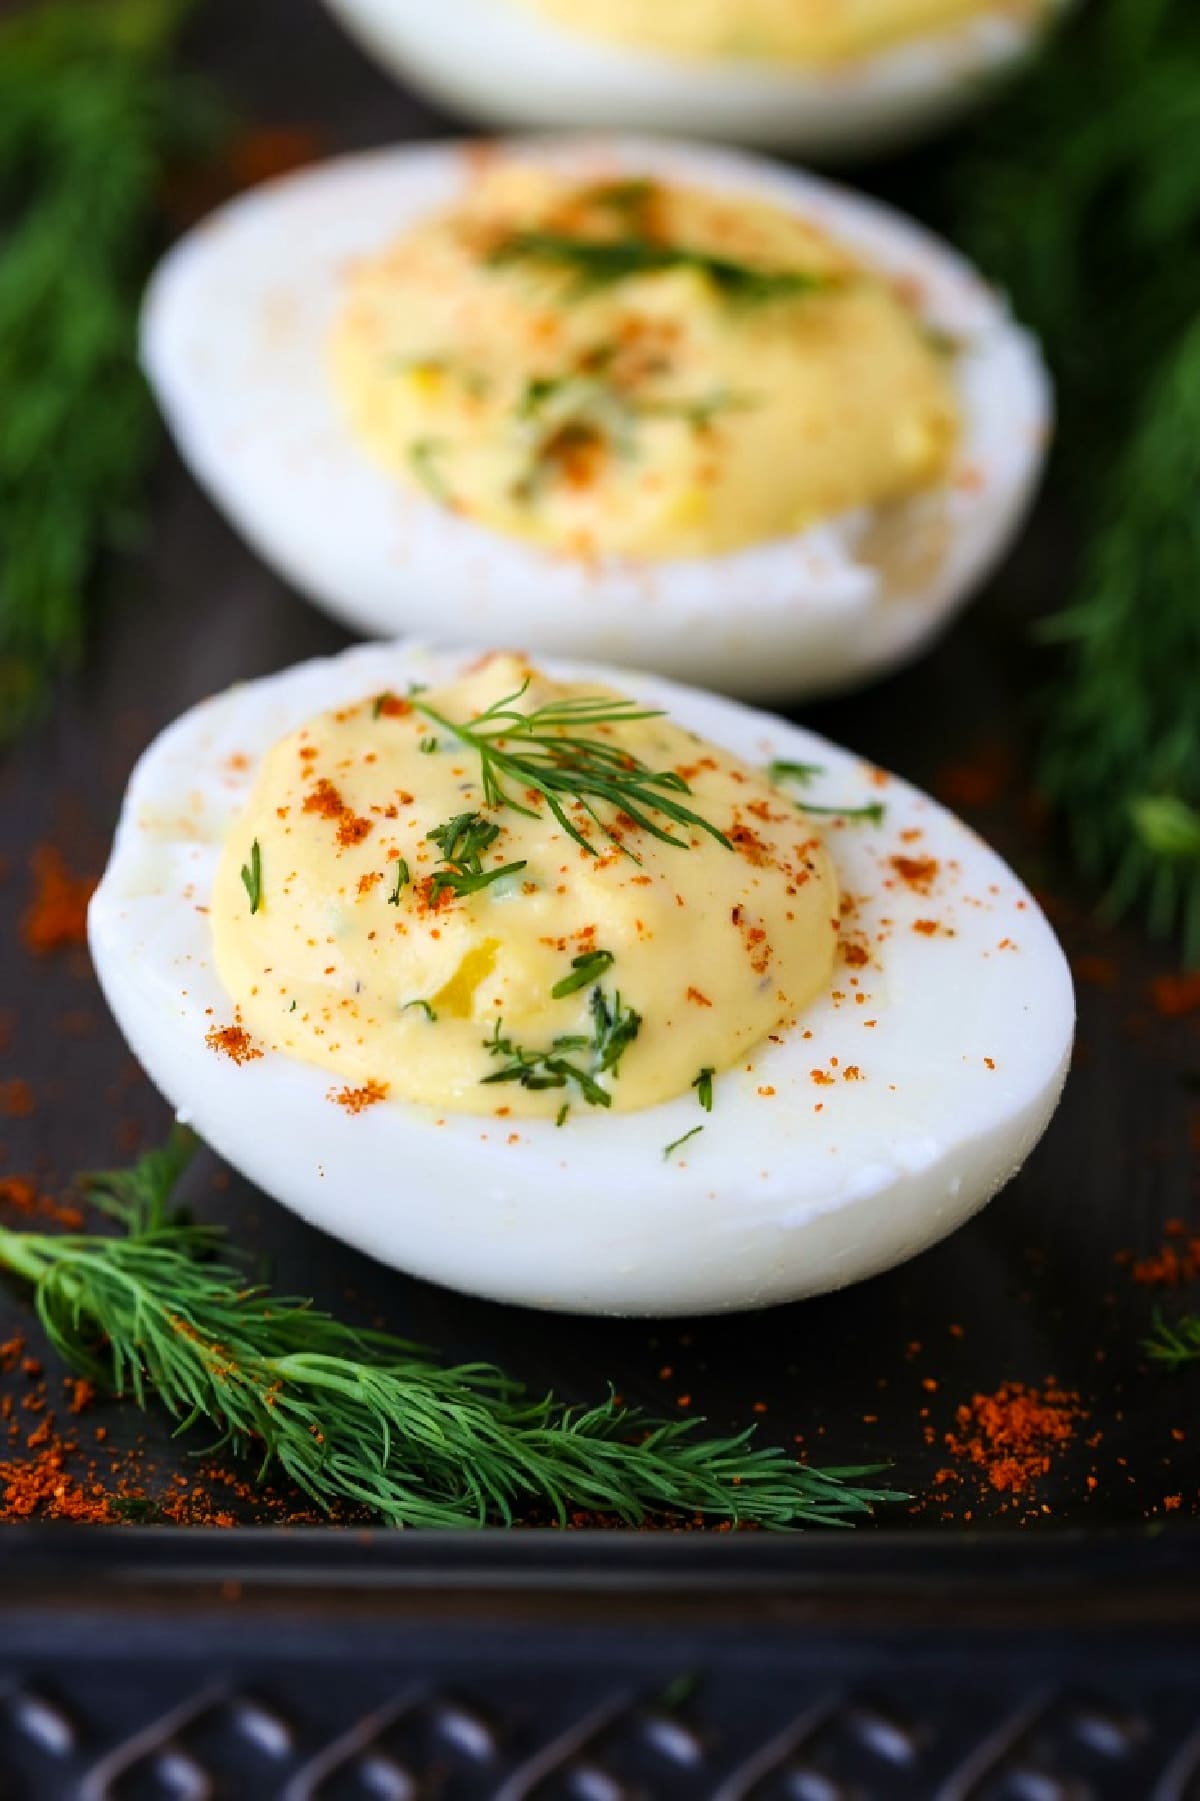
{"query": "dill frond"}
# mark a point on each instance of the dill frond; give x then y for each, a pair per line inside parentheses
(89, 114)
(545, 752)
(363, 1419)
(1081, 196)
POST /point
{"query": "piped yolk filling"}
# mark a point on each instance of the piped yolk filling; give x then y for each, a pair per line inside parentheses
(635, 369)
(815, 32)
(371, 934)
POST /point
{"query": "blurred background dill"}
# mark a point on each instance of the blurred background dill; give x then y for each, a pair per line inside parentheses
(1077, 191)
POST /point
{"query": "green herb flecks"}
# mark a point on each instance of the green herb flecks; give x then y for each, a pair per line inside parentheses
(560, 1118)
(585, 969)
(424, 456)
(462, 842)
(670, 1149)
(360, 1420)
(703, 1085)
(91, 116)
(545, 751)
(779, 769)
(558, 412)
(614, 1028)
(872, 813)
(403, 878)
(592, 264)
(424, 1007)
(428, 746)
(252, 877)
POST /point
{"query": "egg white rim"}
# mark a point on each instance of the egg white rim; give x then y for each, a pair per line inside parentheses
(794, 1187)
(881, 98)
(234, 333)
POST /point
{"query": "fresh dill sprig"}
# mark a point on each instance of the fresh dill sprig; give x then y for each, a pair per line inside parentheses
(363, 1419)
(252, 877)
(425, 1007)
(462, 842)
(597, 263)
(1175, 1344)
(587, 968)
(1080, 194)
(703, 1085)
(544, 751)
(90, 116)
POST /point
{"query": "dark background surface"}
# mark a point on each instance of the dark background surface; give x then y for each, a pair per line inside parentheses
(1029, 1291)
(971, 1650)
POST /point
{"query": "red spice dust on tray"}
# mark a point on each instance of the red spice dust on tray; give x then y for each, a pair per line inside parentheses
(57, 913)
(1006, 1441)
(74, 1472)
(1174, 1263)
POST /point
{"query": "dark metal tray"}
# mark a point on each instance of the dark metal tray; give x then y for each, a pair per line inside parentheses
(971, 1646)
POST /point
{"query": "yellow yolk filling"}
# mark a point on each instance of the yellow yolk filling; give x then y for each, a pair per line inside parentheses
(634, 369)
(817, 32)
(340, 946)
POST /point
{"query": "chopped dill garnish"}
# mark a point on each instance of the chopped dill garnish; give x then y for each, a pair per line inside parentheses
(630, 196)
(585, 969)
(560, 1118)
(703, 1085)
(423, 455)
(252, 877)
(537, 1070)
(425, 1007)
(360, 1419)
(598, 263)
(462, 842)
(545, 751)
(779, 769)
(427, 746)
(676, 1142)
(872, 813)
(403, 878)
(380, 702)
(614, 1028)
(562, 410)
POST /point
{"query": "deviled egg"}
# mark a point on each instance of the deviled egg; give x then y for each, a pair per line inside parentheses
(655, 404)
(828, 78)
(573, 987)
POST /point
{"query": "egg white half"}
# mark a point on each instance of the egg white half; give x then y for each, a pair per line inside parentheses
(798, 1183)
(508, 66)
(234, 338)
